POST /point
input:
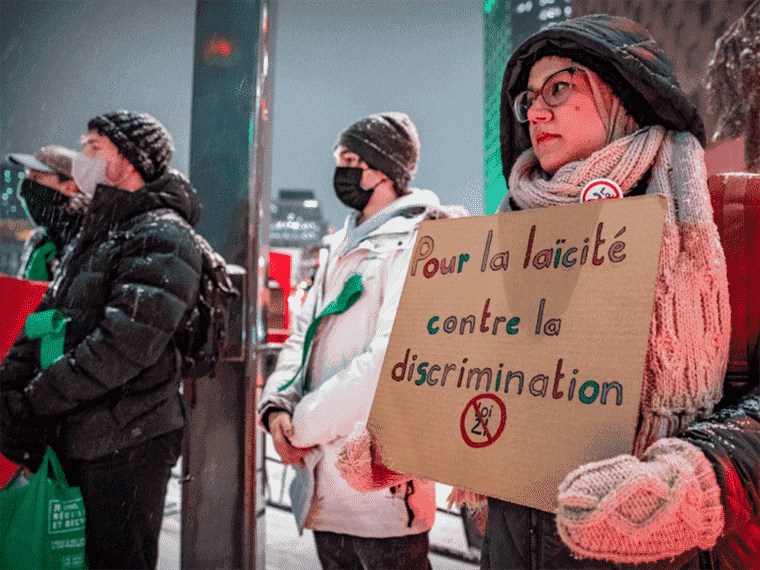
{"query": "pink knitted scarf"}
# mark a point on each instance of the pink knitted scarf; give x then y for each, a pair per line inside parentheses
(691, 322)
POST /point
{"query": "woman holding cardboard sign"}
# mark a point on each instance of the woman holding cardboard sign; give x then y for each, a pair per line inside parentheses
(591, 109)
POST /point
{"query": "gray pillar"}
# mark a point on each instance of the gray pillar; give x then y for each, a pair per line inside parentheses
(223, 524)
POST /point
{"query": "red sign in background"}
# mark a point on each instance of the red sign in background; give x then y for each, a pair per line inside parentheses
(18, 298)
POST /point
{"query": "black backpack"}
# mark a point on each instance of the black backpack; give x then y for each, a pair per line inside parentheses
(205, 326)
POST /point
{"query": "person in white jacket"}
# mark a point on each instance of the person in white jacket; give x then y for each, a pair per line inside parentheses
(328, 369)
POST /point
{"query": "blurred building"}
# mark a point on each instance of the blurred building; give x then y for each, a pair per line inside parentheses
(296, 219)
(296, 229)
(14, 223)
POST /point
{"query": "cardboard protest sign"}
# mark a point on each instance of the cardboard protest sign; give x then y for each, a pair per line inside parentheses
(517, 352)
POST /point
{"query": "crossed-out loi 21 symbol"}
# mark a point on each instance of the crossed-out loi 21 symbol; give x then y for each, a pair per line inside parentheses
(483, 420)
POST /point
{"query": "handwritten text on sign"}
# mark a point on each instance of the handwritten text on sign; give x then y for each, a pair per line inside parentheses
(547, 313)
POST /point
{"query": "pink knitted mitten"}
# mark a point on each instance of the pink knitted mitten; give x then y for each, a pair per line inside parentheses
(357, 466)
(631, 511)
(476, 504)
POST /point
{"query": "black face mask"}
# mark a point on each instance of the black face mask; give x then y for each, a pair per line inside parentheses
(47, 208)
(347, 186)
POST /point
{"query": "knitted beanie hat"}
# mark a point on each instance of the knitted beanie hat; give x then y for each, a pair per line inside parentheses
(387, 142)
(140, 138)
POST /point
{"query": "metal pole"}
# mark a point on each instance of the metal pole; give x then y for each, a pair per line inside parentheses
(258, 260)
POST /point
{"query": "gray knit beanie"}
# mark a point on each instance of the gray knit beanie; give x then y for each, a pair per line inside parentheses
(140, 138)
(387, 142)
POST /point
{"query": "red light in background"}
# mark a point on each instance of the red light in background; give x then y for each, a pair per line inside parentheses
(222, 47)
(221, 50)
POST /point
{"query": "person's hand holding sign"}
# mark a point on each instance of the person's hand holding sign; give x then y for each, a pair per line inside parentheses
(626, 510)
(281, 428)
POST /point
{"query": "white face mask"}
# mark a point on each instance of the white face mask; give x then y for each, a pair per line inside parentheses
(88, 173)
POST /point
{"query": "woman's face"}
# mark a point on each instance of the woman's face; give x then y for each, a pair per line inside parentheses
(570, 131)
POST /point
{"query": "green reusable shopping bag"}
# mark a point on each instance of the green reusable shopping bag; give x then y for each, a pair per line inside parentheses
(42, 523)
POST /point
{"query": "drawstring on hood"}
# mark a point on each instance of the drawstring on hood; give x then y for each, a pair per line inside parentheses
(410, 205)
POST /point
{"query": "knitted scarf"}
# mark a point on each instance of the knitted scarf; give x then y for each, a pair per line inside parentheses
(690, 330)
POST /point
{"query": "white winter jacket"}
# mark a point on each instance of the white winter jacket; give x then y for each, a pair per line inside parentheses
(342, 370)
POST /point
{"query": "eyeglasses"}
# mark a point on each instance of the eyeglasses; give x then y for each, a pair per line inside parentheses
(555, 91)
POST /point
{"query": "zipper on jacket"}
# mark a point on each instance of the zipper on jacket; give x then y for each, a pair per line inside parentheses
(533, 539)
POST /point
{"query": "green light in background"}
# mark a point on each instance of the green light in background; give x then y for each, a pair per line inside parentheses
(497, 47)
(7, 176)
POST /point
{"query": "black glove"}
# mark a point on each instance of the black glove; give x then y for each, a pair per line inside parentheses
(23, 435)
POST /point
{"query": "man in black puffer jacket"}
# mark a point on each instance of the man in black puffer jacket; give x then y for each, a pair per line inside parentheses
(109, 405)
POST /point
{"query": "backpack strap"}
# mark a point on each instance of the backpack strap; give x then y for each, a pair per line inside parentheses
(215, 265)
(736, 211)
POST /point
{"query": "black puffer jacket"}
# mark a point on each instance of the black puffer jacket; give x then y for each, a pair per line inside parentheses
(730, 439)
(520, 537)
(124, 286)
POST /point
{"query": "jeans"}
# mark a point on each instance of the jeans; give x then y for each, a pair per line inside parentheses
(347, 552)
(124, 496)
(521, 538)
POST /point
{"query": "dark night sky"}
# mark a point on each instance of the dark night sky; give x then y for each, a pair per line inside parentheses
(339, 61)
(64, 61)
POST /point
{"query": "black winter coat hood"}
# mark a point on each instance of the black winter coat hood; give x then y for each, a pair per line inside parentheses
(623, 54)
(172, 190)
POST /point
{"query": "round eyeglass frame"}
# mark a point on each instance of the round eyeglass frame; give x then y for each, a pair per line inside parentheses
(524, 101)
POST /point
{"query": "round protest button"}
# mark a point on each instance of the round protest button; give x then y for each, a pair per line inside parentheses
(601, 189)
(476, 419)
